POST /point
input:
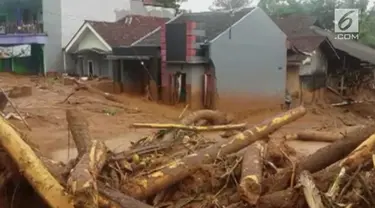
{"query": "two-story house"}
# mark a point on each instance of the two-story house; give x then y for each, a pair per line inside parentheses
(33, 33)
(22, 39)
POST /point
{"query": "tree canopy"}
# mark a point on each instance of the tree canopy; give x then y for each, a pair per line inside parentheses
(324, 11)
(229, 4)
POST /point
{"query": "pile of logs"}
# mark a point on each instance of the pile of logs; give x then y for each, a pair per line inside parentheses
(177, 167)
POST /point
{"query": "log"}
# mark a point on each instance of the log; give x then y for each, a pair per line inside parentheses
(361, 154)
(252, 173)
(190, 128)
(32, 168)
(144, 186)
(214, 117)
(79, 128)
(291, 197)
(113, 198)
(82, 179)
(311, 135)
(320, 159)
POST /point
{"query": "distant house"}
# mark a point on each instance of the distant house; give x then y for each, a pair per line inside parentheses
(90, 51)
(316, 59)
(215, 54)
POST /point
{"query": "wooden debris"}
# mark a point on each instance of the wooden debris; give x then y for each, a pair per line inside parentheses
(211, 116)
(143, 187)
(32, 168)
(321, 158)
(82, 180)
(311, 135)
(252, 173)
(190, 128)
(78, 126)
(360, 154)
(310, 191)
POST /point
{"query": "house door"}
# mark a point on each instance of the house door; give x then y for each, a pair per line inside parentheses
(292, 80)
(179, 88)
(6, 65)
(208, 92)
(90, 69)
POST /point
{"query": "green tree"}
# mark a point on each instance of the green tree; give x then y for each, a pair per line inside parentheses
(176, 4)
(324, 10)
(229, 4)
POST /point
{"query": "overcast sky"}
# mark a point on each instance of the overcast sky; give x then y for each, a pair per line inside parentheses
(202, 5)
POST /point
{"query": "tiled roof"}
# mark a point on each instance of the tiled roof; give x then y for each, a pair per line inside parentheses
(127, 30)
(297, 28)
(214, 23)
(353, 48)
(296, 24)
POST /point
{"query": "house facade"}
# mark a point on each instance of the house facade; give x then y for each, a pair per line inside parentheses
(317, 61)
(44, 27)
(92, 52)
(22, 37)
(221, 56)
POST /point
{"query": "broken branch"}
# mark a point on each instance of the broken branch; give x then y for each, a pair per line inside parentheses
(191, 128)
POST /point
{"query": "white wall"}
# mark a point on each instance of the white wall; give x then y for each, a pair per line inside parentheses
(91, 41)
(73, 14)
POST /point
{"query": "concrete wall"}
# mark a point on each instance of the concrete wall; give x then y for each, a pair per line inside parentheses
(52, 26)
(75, 12)
(63, 18)
(250, 57)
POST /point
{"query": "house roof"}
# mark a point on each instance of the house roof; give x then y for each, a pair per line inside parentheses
(214, 23)
(351, 47)
(295, 25)
(297, 28)
(127, 30)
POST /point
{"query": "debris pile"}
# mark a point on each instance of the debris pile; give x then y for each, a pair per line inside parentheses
(179, 167)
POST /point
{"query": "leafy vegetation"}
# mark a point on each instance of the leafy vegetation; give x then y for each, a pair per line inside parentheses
(324, 11)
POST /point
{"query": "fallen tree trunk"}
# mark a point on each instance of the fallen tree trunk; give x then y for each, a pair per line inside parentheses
(32, 168)
(252, 173)
(311, 135)
(190, 128)
(79, 129)
(362, 153)
(82, 179)
(320, 159)
(213, 117)
(145, 186)
(92, 156)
